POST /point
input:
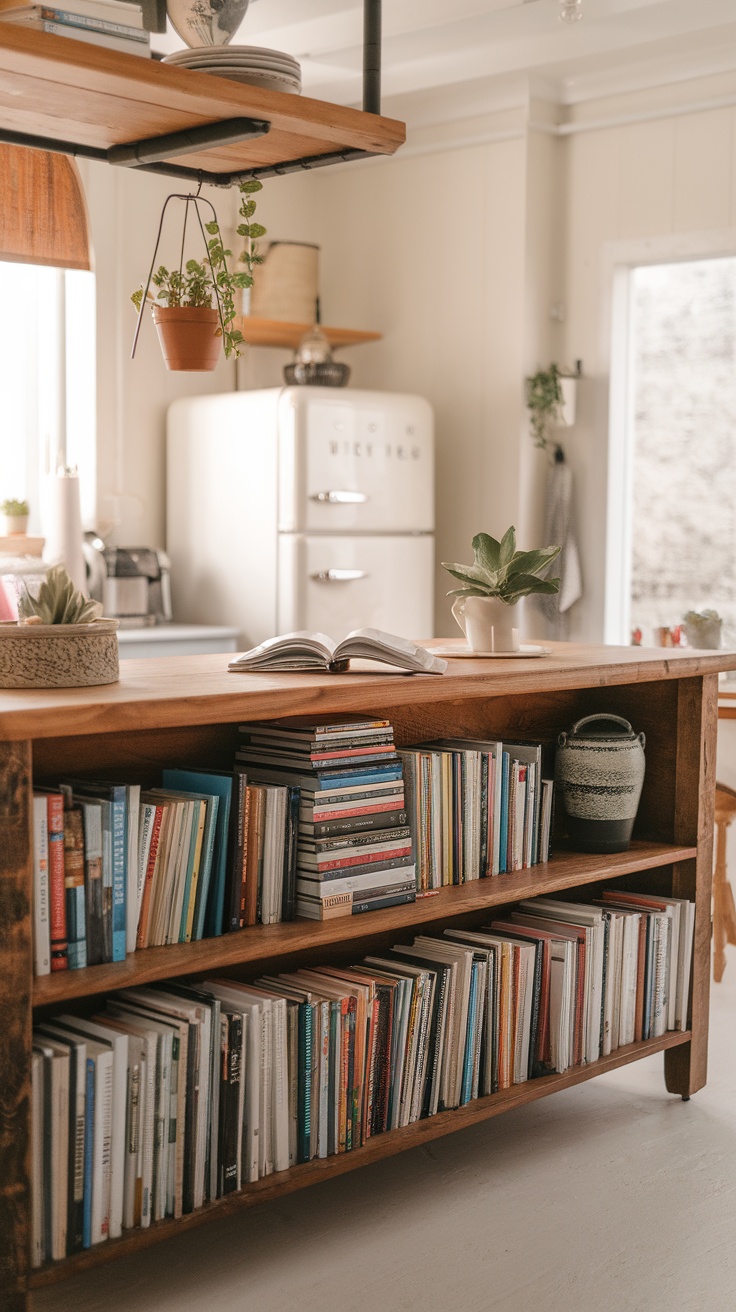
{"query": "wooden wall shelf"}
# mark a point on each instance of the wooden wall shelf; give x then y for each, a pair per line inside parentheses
(274, 332)
(186, 711)
(71, 91)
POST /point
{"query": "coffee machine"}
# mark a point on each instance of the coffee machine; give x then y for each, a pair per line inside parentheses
(133, 583)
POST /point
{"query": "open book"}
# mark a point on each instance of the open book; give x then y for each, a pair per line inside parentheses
(315, 651)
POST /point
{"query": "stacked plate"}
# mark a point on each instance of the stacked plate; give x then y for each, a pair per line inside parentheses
(272, 70)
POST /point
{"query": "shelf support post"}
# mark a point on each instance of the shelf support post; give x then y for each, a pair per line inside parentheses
(16, 973)
(372, 56)
(686, 1067)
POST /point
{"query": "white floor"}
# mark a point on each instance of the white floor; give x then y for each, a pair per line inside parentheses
(613, 1196)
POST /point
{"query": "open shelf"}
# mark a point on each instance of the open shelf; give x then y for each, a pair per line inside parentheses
(274, 332)
(71, 91)
(377, 1147)
(268, 942)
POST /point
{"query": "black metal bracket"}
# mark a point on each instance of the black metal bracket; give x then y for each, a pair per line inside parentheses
(155, 153)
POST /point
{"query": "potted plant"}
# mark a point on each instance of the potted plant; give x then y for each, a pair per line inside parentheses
(485, 605)
(550, 400)
(15, 515)
(59, 640)
(194, 306)
(703, 629)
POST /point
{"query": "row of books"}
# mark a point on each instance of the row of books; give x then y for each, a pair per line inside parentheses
(477, 809)
(178, 1094)
(354, 850)
(118, 868)
(116, 24)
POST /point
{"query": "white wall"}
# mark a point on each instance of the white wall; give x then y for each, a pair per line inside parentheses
(637, 192)
(132, 395)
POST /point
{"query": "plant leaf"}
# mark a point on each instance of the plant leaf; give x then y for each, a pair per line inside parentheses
(470, 592)
(466, 573)
(508, 546)
(531, 562)
(487, 552)
(524, 584)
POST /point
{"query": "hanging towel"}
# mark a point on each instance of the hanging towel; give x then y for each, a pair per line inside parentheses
(558, 529)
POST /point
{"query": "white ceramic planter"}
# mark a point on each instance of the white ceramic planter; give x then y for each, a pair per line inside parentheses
(489, 624)
(59, 655)
(14, 524)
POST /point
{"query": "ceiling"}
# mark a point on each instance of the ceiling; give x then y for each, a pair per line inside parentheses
(492, 43)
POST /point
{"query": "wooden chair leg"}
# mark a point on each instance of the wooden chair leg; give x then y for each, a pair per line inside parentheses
(720, 917)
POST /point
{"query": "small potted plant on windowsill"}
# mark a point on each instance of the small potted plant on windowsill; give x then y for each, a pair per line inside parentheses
(194, 306)
(485, 605)
(15, 516)
(60, 639)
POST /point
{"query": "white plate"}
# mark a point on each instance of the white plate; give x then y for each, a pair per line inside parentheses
(228, 52)
(265, 81)
(242, 61)
(526, 649)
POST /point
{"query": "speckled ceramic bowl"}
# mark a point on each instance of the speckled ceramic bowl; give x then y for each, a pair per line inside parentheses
(59, 655)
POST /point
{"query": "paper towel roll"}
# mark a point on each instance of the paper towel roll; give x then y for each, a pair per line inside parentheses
(62, 527)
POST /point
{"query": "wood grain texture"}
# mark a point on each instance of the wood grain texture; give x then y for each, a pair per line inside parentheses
(697, 726)
(274, 332)
(43, 213)
(16, 966)
(251, 947)
(72, 91)
(376, 1148)
(191, 690)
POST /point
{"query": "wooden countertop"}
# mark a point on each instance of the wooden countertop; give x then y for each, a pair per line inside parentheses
(191, 690)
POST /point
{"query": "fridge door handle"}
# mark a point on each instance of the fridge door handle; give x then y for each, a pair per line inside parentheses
(340, 498)
(338, 575)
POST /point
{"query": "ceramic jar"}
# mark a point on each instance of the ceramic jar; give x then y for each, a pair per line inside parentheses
(599, 772)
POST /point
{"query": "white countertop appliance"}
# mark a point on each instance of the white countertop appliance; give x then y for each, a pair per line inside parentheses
(302, 508)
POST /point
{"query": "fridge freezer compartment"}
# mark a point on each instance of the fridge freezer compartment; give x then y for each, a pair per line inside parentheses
(360, 462)
(335, 584)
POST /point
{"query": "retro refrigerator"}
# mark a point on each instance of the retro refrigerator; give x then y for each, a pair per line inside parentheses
(302, 508)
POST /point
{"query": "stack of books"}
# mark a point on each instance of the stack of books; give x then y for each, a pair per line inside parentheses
(355, 849)
(477, 808)
(178, 1094)
(112, 23)
(117, 867)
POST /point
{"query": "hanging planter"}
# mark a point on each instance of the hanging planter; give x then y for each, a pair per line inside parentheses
(193, 306)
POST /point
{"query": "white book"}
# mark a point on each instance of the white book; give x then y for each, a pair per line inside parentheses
(123, 43)
(41, 923)
(145, 833)
(38, 1245)
(149, 1040)
(119, 1044)
(164, 1200)
(279, 1092)
(315, 651)
(101, 1056)
(131, 873)
(120, 11)
(273, 854)
(56, 1082)
(442, 950)
(591, 918)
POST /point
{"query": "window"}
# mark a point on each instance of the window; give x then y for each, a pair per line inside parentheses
(679, 537)
(47, 381)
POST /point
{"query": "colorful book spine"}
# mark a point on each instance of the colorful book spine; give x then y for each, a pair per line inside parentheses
(74, 886)
(57, 889)
(41, 924)
(118, 798)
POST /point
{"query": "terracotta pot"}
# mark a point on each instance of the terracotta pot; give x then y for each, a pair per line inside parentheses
(188, 337)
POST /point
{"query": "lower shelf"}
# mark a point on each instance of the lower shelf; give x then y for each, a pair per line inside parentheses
(381, 1145)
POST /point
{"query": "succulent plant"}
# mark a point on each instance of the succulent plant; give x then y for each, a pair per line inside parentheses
(13, 509)
(58, 602)
(499, 570)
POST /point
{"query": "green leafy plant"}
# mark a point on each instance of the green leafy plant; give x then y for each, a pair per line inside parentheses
(58, 602)
(499, 570)
(544, 401)
(13, 509)
(199, 285)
